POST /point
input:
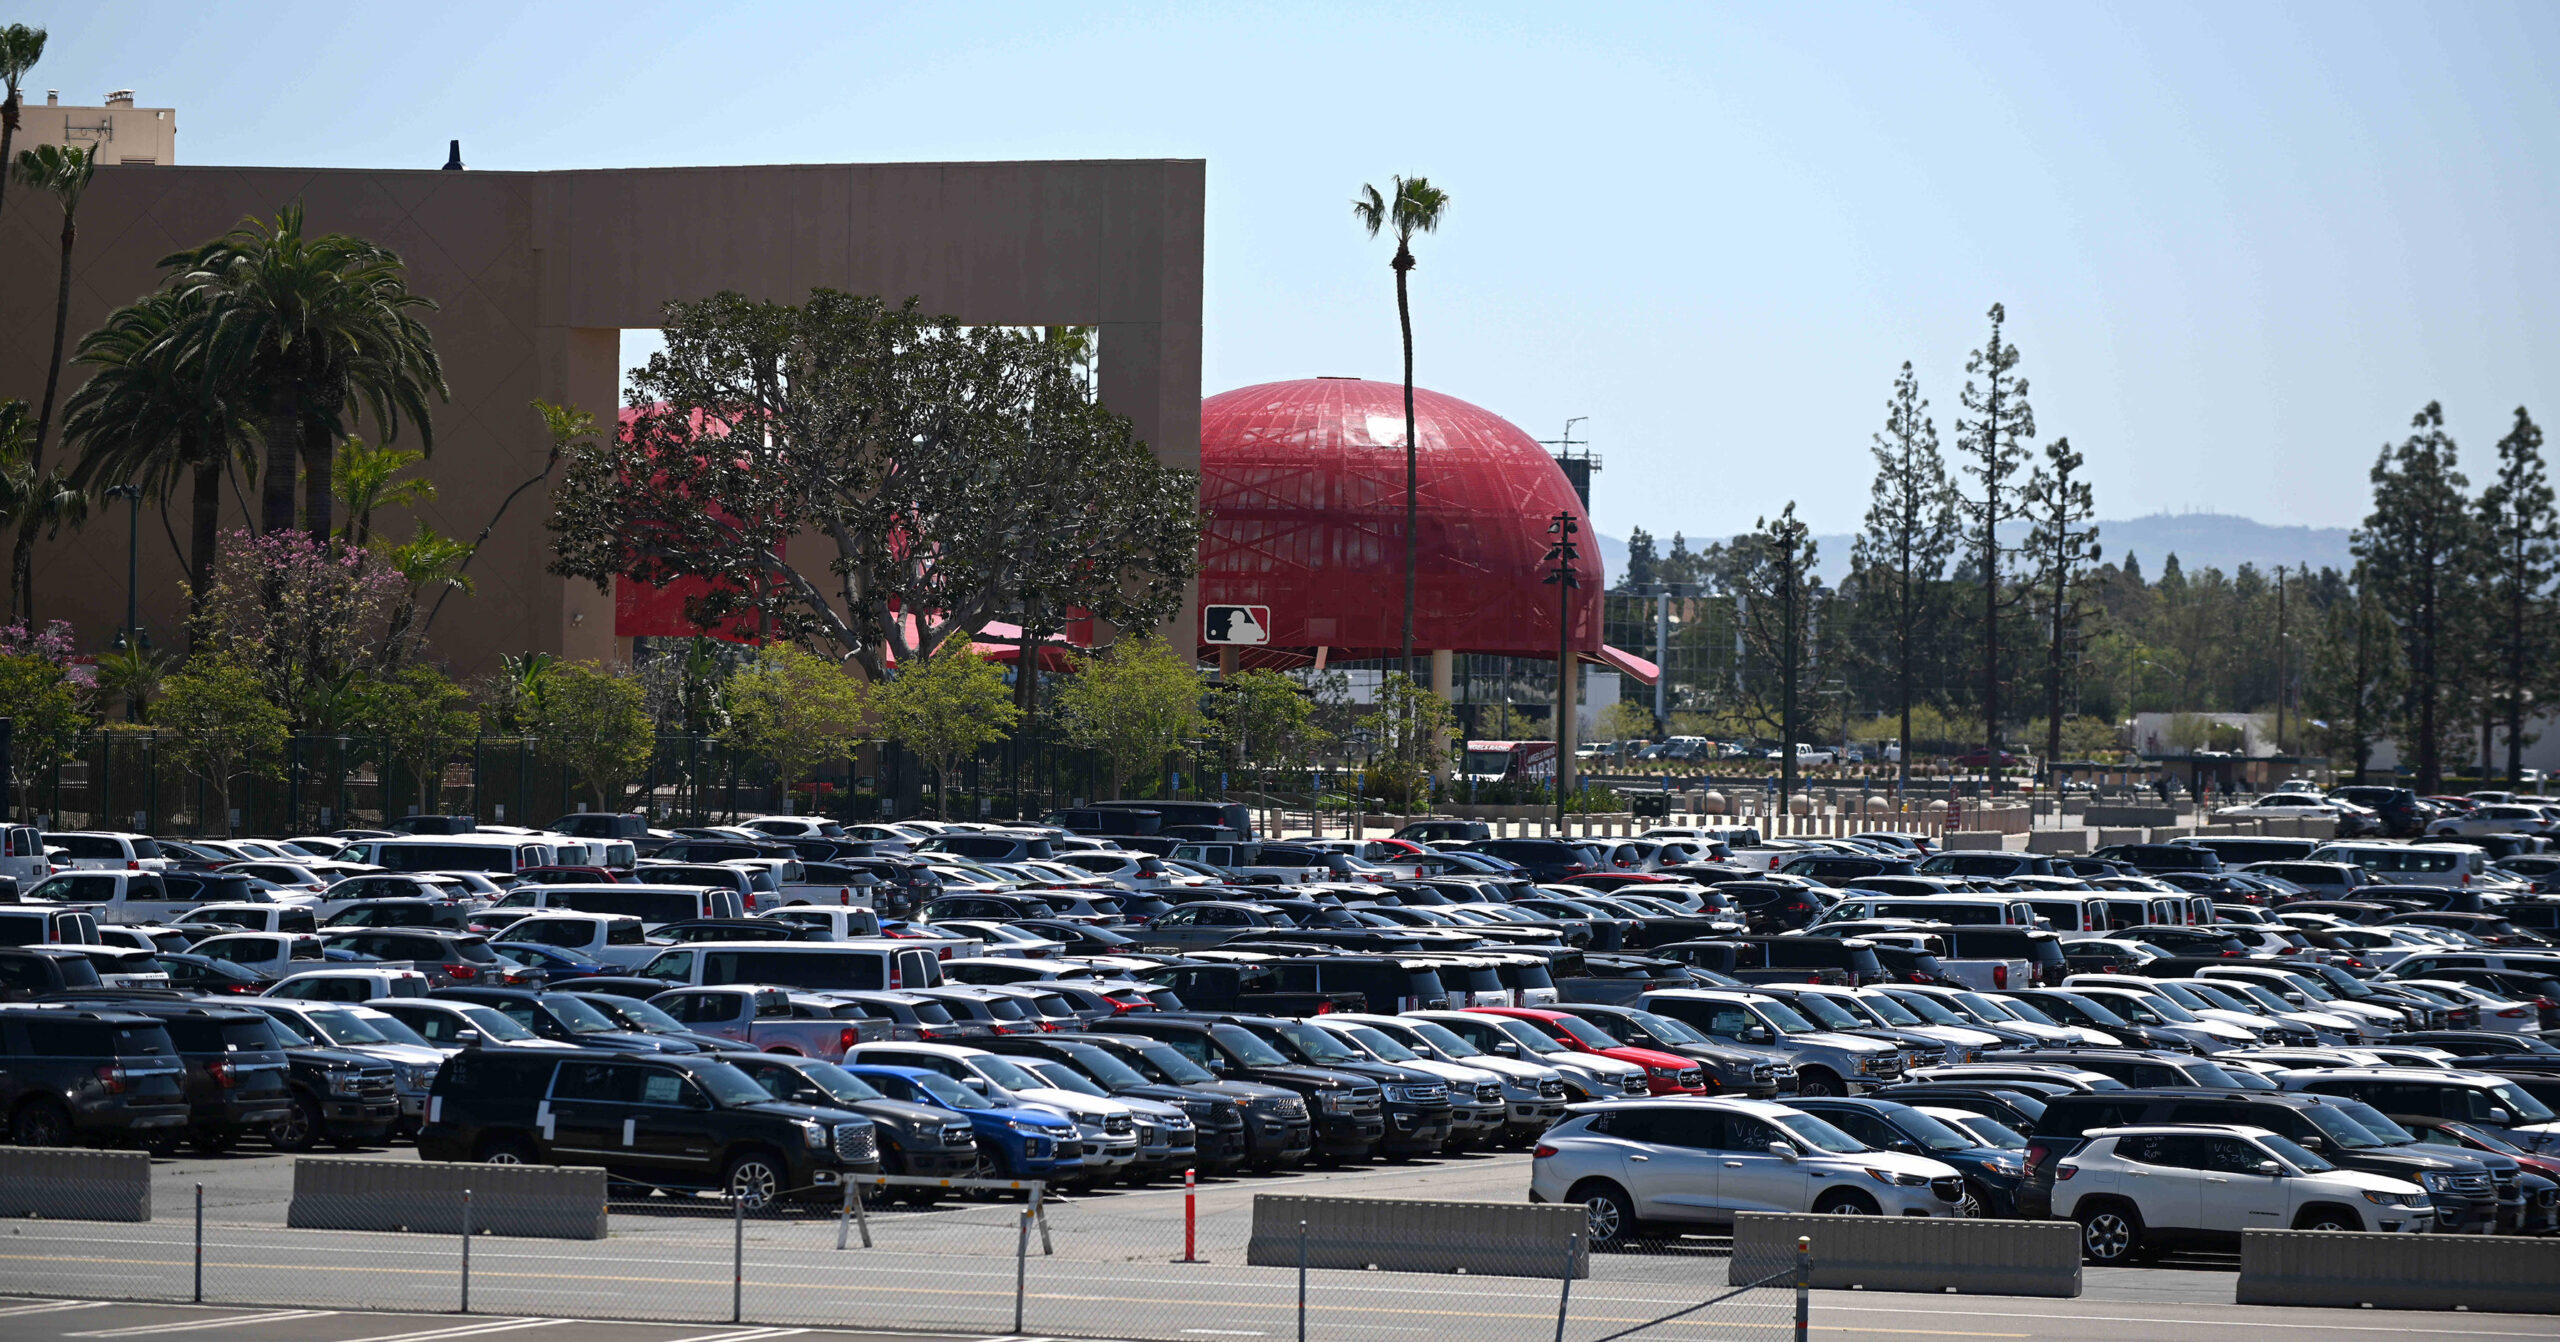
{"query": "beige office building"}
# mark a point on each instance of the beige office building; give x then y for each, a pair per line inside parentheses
(124, 134)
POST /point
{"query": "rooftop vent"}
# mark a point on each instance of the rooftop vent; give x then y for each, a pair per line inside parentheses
(120, 98)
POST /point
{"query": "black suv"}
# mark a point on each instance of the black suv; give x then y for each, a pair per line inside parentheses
(28, 972)
(2462, 1184)
(1541, 859)
(690, 1122)
(913, 1139)
(1216, 1120)
(238, 1080)
(2403, 815)
(1418, 1111)
(70, 1076)
(1348, 1109)
(1276, 1130)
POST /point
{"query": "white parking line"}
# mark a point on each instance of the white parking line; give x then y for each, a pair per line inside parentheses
(470, 1330)
(743, 1335)
(199, 1325)
(49, 1307)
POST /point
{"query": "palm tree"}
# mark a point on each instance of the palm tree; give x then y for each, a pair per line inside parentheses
(65, 171)
(313, 324)
(36, 500)
(1417, 208)
(150, 415)
(20, 48)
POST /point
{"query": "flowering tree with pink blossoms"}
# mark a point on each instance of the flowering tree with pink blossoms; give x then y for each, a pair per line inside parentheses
(304, 618)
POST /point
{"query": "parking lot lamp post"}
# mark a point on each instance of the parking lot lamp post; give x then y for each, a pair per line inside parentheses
(131, 635)
(1561, 575)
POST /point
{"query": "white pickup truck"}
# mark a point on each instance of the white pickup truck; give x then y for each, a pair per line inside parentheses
(607, 938)
(1285, 866)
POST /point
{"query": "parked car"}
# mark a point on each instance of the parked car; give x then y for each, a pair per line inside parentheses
(915, 1140)
(1992, 1172)
(89, 1077)
(1635, 1164)
(1013, 1141)
(2137, 1190)
(764, 1019)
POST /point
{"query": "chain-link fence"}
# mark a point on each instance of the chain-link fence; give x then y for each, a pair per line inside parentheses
(915, 1256)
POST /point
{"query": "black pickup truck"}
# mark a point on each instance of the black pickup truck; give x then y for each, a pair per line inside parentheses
(1254, 988)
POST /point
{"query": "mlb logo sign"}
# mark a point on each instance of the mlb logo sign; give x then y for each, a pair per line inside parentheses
(1235, 624)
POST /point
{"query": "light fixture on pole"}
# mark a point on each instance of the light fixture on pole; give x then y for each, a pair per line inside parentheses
(1562, 575)
(131, 635)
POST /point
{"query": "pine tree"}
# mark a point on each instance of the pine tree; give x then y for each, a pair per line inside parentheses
(2062, 544)
(1773, 566)
(2522, 528)
(1910, 530)
(1642, 561)
(2420, 552)
(1993, 439)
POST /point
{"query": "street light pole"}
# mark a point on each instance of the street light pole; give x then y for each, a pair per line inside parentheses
(1561, 575)
(131, 634)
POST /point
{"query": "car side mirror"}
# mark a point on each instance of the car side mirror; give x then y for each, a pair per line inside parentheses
(1783, 1151)
(2270, 1169)
(2500, 1116)
(466, 1038)
(1507, 1050)
(2312, 1144)
(1757, 1034)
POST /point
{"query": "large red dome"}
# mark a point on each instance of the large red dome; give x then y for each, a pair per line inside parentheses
(1302, 496)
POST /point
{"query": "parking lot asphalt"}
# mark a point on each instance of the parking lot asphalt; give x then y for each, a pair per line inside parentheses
(950, 1271)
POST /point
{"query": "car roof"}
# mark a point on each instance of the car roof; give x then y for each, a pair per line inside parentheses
(2180, 1129)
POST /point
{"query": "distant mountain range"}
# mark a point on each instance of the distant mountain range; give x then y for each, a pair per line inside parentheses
(2199, 540)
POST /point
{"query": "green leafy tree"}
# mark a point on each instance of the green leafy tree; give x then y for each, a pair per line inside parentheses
(946, 709)
(2421, 553)
(796, 709)
(1625, 720)
(594, 721)
(65, 171)
(1417, 207)
(1136, 702)
(1266, 722)
(910, 480)
(2521, 529)
(20, 48)
(134, 674)
(315, 326)
(1774, 567)
(2062, 546)
(1502, 722)
(1410, 730)
(366, 477)
(151, 415)
(1901, 556)
(1993, 436)
(421, 717)
(218, 723)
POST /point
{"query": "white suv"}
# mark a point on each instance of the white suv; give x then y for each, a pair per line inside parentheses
(2137, 1190)
(1632, 1163)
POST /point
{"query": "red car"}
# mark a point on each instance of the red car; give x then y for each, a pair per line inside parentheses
(1664, 1073)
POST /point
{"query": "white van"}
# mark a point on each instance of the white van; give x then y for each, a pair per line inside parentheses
(2444, 864)
(1950, 909)
(654, 905)
(2070, 913)
(22, 856)
(21, 926)
(499, 856)
(104, 850)
(816, 966)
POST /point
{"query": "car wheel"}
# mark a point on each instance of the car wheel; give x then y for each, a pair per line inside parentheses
(506, 1151)
(2328, 1218)
(754, 1179)
(1972, 1204)
(2110, 1236)
(1845, 1202)
(298, 1130)
(1815, 1081)
(42, 1123)
(1612, 1214)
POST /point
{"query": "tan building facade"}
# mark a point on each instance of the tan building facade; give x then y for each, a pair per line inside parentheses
(538, 273)
(123, 133)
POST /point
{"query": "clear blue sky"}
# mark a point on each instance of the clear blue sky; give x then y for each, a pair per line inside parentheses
(2239, 244)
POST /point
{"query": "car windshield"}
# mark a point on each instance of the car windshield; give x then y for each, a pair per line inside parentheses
(495, 1026)
(838, 1083)
(2525, 1108)
(396, 1030)
(2300, 1159)
(1892, 1012)
(1667, 1029)
(579, 1017)
(2261, 996)
(291, 1029)
(1064, 1077)
(2340, 1130)
(1929, 1009)
(1108, 1070)
(1379, 1045)
(1988, 1008)
(646, 1016)
(1988, 1131)
(948, 1091)
(2372, 1120)
(1007, 1073)
(2097, 1010)
(1449, 1042)
(1784, 1018)
(1176, 1069)
(2179, 994)
(2316, 991)
(2168, 1009)
(727, 1084)
(1526, 1036)
(1248, 1048)
(1932, 1132)
(2489, 1139)
(1820, 1135)
(1830, 1014)
(1318, 1045)
(2028, 1012)
(345, 1028)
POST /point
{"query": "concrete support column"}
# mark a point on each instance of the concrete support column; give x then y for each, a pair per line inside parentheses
(1444, 682)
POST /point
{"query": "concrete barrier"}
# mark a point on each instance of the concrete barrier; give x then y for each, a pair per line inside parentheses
(1933, 1254)
(1506, 1239)
(2108, 837)
(2118, 815)
(2481, 1272)
(67, 1185)
(534, 1201)
(1972, 838)
(2058, 841)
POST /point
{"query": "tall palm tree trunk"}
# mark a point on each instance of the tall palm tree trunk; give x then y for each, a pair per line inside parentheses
(275, 492)
(22, 560)
(1412, 465)
(8, 140)
(204, 535)
(318, 502)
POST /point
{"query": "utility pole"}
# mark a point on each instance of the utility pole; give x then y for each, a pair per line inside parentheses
(2283, 679)
(1562, 575)
(1661, 661)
